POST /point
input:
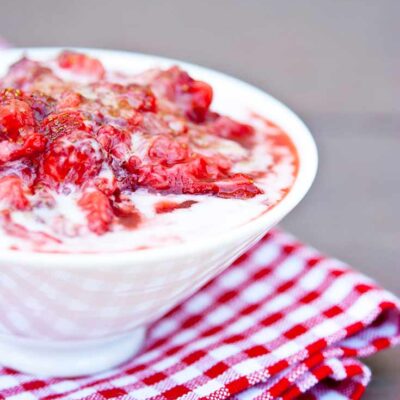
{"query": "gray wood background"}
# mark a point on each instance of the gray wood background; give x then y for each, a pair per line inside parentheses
(336, 62)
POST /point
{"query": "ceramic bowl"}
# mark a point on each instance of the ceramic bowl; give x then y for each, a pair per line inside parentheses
(75, 314)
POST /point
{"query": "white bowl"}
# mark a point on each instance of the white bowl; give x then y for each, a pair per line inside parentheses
(74, 314)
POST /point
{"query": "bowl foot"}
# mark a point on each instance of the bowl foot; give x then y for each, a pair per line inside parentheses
(69, 358)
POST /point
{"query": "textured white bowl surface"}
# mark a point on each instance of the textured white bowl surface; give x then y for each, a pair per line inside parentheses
(77, 305)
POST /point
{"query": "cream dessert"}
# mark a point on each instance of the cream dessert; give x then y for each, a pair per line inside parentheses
(99, 161)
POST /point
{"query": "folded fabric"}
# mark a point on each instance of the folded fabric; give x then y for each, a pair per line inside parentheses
(282, 322)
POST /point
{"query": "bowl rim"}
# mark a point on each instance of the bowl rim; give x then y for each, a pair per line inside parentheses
(307, 171)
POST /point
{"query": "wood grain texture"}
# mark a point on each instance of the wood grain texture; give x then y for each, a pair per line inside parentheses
(335, 62)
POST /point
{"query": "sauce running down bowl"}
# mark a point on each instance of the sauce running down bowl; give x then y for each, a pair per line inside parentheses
(100, 287)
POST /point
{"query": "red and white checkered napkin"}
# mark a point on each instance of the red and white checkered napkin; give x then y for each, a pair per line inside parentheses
(282, 322)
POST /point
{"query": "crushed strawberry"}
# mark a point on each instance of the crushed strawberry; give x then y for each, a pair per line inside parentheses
(83, 64)
(72, 158)
(15, 115)
(62, 123)
(33, 144)
(192, 97)
(139, 97)
(115, 141)
(12, 194)
(163, 207)
(26, 73)
(126, 212)
(227, 128)
(25, 169)
(155, 177)
(99, 212)
(108, 186)
(168, 151)
(69, 100)
(238, 186)
(41, 105)
(105, 140)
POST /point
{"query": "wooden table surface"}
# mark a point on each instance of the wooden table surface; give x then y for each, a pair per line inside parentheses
(337, 63)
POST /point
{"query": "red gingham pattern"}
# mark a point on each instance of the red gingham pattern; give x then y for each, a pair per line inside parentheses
(283, 322)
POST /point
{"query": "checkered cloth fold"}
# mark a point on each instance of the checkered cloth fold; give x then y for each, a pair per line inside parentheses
(282, 322)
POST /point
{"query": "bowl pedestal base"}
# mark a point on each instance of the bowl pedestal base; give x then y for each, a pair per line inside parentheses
(69, 358)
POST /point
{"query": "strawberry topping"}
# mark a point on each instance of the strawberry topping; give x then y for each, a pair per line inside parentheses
(105, 140)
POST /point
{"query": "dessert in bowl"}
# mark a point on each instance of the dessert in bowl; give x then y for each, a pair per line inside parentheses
(126, 183)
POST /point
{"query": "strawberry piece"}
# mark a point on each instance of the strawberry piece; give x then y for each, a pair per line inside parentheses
(23, 168)
(26, 73)
(168, 151)
(201, 175)
(227, 128)
(9, 94)
(140, 97)
(73, 158)
(126, 212)
(41, 105)
(196, 100)
(81, 64)
(62, 123)
(125, 99)
(192, 97)
(209, 168)
(238, 186)
(98, 210)
(163, 207)
(114, 141)
(14, 116)
(69, 100)
(12, 193)
(116, 144)
(107, 184)
(132, 164)
(185, 179)
(155, 177)
(34, 143)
